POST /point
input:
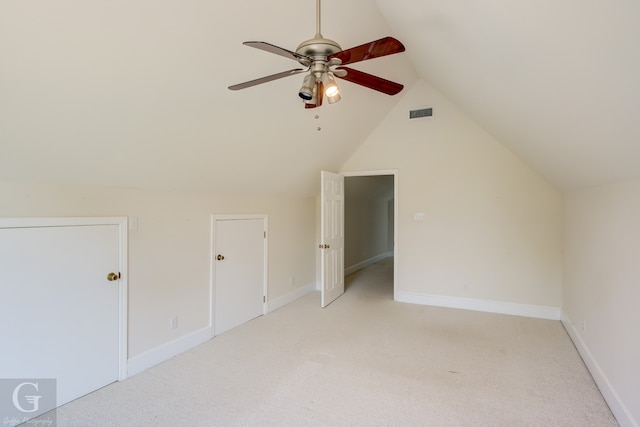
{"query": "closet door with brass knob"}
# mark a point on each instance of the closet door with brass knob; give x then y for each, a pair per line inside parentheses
(60, 303)
(239, 260)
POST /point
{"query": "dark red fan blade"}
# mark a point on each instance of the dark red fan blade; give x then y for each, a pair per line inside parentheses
(371, 81)
(319, 96)
(376, 49)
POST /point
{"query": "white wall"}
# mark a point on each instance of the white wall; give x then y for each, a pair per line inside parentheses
(493, 226)
(602, 289)
(169, 253)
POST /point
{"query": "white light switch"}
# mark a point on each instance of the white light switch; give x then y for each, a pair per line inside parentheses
(133, 223)
(418, 216)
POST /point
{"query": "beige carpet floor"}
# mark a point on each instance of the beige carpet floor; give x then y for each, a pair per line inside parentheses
(365, 360)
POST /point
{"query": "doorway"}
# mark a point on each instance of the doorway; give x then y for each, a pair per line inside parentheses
(371, 208)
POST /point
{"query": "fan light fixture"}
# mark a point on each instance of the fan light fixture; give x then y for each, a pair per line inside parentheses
(314, 96)
(331, 89)
(308, 86)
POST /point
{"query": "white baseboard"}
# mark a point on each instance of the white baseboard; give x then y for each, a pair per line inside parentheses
(155, 356)
(285, 299)
(619, 409)
(366, 263)
(515, 309)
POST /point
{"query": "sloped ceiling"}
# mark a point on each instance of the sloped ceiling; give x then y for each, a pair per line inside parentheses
(558, 82)
(134, 93)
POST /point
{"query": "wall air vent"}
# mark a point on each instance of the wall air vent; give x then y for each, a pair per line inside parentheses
(423, 112)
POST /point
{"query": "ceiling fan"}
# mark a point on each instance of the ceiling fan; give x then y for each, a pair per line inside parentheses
(323, 60)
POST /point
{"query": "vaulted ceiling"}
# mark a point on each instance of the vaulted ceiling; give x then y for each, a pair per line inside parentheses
(134, 93)
(557, 82)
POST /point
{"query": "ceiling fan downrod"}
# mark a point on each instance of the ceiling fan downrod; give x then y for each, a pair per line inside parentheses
(318, 48)
(318, 32)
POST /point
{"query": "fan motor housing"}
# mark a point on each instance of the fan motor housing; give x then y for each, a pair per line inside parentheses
(318, 47)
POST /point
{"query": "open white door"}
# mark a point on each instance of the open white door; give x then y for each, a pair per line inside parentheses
(332, 236)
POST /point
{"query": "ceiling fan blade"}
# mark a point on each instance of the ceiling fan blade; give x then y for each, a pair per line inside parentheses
(268, 47)
(319, 94)
(375, 49)
(370, 81)
(267, 79)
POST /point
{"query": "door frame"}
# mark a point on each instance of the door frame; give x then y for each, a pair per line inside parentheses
(393, 172)
(123, 283)
(213, 251)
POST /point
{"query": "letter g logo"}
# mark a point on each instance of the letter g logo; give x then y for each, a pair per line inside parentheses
(33, 400)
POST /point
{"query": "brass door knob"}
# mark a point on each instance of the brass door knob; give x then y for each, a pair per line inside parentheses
(220, 257)
(112, 277)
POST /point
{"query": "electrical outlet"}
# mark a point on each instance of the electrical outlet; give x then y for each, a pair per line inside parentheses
(291, 281)
(584, 325)
(173, 322)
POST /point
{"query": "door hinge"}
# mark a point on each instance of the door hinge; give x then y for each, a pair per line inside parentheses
(265, 234)
(264, 298)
